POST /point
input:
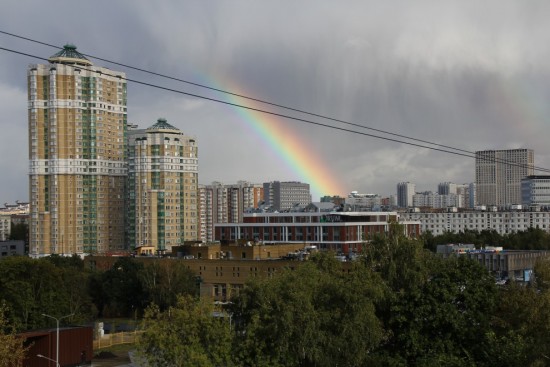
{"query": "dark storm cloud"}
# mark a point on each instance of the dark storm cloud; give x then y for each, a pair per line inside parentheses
(461, 73)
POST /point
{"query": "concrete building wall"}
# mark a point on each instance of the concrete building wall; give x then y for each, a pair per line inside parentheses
(285, 195)
(501, 221)
(499, 174)
(535, 190)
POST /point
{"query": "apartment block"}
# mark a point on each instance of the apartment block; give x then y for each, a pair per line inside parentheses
(430, 199)
(282, 196)
(224, 203)
(162, 187)
(535, 190)
(499, 174)
(405, 193)
(77, 119)
(501, 221)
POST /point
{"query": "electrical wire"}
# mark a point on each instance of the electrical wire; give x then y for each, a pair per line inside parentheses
(303, 120)
(247, 97)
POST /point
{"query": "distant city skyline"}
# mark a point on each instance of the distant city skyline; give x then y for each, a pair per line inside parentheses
(464, 74)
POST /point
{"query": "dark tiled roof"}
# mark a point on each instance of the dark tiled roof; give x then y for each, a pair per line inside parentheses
(162, 124)
(70, 54)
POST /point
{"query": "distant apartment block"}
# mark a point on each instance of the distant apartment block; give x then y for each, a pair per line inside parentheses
(5, 226)
(501, 221)
(535, 190)
(430, 199)
(282, 196)
(446, 188)
(19, 208)
(222, 203)
(162, 187)
(77, 122)
(405, 193)
(499, 174)
(363, 202)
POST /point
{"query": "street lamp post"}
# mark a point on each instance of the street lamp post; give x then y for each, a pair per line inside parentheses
(49, 359)
(57, 338)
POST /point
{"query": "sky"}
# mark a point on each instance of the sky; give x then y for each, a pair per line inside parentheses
(467, 74)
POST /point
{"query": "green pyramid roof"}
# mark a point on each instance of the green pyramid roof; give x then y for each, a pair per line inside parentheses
(69, 55)
(162, 124)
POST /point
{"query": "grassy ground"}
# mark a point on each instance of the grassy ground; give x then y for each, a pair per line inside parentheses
(116, 355)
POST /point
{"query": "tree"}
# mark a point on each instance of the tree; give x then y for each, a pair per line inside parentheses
(121, 288)
(436, 311)
(312, 316)
(31, 287)
(185, 335)
(19, 231)
(12, 350)
(164, 280)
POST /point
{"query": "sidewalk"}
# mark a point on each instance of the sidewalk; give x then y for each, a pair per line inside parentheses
(116, 360)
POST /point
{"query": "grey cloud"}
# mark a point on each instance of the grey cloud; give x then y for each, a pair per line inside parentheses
(463, 73)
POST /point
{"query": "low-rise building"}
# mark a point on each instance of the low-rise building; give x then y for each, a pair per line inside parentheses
(12, 248)
(505, 264)
(438, 222)
(337, 231)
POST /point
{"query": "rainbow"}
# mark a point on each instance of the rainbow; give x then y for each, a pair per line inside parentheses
(298, 156)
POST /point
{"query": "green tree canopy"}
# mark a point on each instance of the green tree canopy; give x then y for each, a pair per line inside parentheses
(185, 335)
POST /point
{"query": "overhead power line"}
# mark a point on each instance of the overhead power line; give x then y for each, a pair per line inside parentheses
(435, 147)
(294, 109)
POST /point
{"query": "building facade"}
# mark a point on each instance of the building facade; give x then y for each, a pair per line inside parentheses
(405, 193)
(162, 188)
(535, 190)
(430, 199)
(501, 221)
(5, 226)
(226, 204)
(499, 174)
(338, 231)
(363, 202)
(282, 196)
(77, 119)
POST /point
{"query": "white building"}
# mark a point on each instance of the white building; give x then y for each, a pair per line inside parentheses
(363, 202)
(430, 199)
(535, 190)
(5, 226)
(501, 221)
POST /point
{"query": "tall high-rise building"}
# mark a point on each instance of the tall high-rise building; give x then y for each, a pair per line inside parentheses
(405, 193)
(77, 119)
(285, 195)
(162, 192)
(226, 204)
(499, 174)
